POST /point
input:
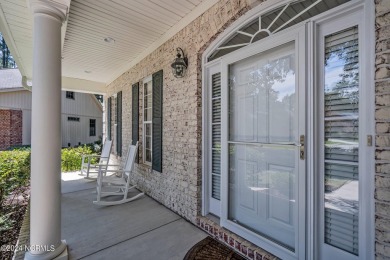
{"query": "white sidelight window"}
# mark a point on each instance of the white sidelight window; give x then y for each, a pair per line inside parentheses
(288, 158)
(147, 122)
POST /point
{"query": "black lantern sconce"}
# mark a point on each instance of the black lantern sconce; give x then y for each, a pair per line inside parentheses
(180, 64)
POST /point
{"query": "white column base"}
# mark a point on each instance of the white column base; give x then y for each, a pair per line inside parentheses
(60, 253)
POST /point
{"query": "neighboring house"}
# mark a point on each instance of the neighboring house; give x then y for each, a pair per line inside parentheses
(276, 141)
(81, 114)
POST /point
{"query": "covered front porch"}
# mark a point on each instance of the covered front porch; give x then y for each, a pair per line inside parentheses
(143, 229)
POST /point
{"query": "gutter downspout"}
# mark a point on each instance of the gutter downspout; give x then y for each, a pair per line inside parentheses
(25, 85)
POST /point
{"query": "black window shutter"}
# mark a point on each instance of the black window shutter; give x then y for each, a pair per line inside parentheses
(119, 123)
(135, 115)
(157, 121)
(109, 118)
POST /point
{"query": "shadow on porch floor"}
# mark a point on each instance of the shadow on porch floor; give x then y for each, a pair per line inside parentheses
(141, 229)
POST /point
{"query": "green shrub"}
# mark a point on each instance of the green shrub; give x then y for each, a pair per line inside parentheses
(15, 165)
(14, 171)
(71, 157)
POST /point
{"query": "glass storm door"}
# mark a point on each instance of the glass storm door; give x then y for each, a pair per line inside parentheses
(263, 146)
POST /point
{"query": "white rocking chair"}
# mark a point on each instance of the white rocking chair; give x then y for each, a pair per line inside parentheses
(87, 167)
(122, 183)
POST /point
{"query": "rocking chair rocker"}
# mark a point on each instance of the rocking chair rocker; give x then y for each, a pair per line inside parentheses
(121, 184)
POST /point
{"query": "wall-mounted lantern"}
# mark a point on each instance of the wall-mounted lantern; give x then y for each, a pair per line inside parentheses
(179, 65)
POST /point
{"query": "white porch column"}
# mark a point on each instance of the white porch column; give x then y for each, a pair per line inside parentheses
(45, 212)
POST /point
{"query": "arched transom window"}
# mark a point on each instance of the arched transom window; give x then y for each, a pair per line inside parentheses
(272, 22)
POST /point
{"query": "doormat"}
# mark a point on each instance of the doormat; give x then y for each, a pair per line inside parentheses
(211, 249)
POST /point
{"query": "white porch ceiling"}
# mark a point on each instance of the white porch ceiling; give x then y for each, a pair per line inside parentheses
(137, 26)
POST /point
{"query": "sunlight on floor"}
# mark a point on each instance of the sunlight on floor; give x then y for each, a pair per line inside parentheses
(71, 176)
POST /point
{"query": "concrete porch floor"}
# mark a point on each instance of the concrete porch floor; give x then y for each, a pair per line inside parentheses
(141, 229)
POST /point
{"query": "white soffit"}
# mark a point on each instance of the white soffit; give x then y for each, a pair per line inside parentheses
(16, 26)
(137, 26)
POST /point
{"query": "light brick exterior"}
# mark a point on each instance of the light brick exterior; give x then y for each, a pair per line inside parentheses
(178, 187)
(382, 116)
(11, 131)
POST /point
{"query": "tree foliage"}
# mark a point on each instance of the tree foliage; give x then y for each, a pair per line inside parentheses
(6, 59)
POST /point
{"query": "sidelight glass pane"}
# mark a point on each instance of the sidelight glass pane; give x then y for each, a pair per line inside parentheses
(341, 115)
(262, 160)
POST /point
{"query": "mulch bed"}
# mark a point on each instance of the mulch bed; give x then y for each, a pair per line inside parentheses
(12, 211)
(210, 249)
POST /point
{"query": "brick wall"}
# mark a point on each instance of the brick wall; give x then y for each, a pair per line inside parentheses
(178, 187)
(382, 116)
(10, 128)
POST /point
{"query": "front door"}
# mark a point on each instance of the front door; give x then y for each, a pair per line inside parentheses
(263, 138)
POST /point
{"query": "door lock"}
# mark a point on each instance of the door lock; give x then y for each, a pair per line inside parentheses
(302, 147)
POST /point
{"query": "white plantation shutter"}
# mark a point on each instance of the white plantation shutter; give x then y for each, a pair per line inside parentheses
(341, 113)
(216, 136)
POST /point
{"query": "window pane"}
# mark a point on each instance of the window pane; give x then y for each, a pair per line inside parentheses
(262, 95)
(150, 87)
(148, 142)
(341, 169)
(145, 102)
(148, 101)
(148, 155)
(146, 92)
(148, 129)
(261, 191)
(148, 114)
(274, 21)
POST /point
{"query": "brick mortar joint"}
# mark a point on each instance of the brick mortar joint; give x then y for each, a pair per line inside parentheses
(227, 237)
(381, 14)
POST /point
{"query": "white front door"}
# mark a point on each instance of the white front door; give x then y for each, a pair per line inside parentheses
(290, 124)
(262, 125)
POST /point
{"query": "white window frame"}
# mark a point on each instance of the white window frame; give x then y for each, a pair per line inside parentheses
(366, 246)
(323, 27)
(144, 123)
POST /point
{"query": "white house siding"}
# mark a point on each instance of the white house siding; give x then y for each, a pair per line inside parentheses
(26, 127)
(84, 106)
(16, 100)
(74, 132)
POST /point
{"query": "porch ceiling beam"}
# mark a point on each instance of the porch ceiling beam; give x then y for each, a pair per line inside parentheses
(83, 86)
